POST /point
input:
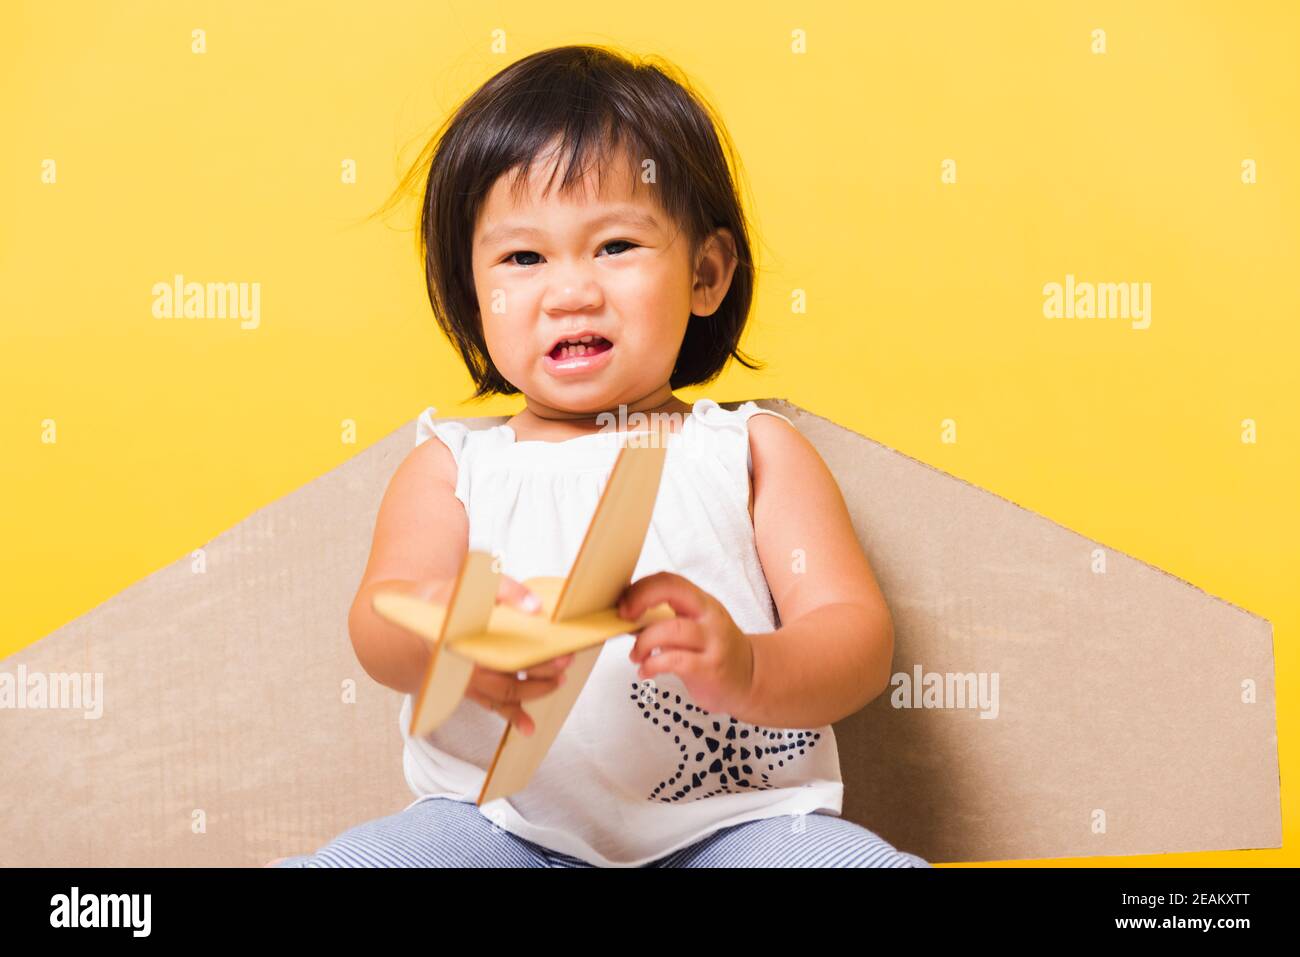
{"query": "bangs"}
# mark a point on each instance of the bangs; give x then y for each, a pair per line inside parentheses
(572, 156)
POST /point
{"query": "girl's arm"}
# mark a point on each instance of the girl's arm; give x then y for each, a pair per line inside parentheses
(833, 652)
(421, 533)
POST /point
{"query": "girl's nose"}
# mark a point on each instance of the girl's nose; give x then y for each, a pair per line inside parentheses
(572, 291)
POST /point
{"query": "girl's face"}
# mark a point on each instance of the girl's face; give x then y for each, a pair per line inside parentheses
(608, 264)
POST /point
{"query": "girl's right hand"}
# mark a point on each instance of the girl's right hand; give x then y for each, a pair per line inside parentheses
(502, 692)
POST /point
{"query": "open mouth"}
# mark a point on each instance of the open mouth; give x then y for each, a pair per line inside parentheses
(588, 345)
(578, 355)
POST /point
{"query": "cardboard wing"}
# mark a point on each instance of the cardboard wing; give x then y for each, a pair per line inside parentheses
(578, 615)
(1126, 711)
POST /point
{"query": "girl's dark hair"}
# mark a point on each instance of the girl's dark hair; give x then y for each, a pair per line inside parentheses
(591, 100)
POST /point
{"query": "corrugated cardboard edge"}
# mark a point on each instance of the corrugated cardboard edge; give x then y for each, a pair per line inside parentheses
(788, 408)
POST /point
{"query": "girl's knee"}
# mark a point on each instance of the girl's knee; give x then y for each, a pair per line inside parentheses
(432, 833)
(831, 846)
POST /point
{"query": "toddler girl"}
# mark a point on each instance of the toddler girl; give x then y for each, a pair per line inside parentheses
(701, 741)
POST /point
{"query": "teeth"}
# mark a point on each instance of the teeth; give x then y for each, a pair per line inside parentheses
(570, 348)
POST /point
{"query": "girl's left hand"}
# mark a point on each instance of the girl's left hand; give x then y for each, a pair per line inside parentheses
(702, 645)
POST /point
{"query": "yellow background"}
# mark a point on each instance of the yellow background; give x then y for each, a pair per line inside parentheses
(924, 299)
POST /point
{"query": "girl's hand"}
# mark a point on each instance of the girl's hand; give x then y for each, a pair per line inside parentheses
(503, 691)
(702, 645)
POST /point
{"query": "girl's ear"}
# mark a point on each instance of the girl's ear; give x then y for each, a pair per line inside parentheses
(715, 265)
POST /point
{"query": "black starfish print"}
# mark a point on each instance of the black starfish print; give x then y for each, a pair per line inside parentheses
(728, 753)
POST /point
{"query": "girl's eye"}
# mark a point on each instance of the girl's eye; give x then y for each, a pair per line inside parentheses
(613, 242)
(618, 242)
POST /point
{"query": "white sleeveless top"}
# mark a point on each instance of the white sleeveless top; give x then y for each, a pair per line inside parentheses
(637, 771)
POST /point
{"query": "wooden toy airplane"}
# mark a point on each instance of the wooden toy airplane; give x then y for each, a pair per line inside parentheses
(578, 614)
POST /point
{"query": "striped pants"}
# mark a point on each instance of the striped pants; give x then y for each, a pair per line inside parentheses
(440, 832)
